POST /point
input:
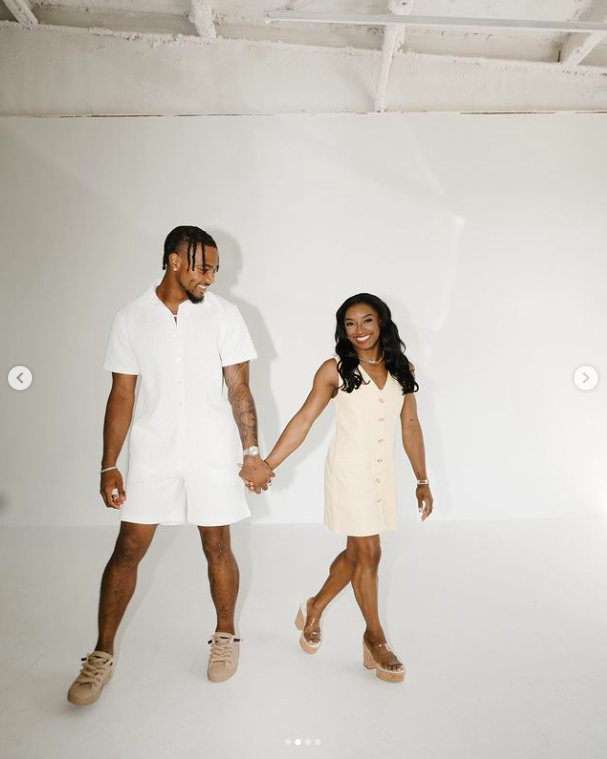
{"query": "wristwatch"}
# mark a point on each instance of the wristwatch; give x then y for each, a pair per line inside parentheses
(252, 450)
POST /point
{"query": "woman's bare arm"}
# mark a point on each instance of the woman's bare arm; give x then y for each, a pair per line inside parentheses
(413, 438)
(326, 383)
(413, 443)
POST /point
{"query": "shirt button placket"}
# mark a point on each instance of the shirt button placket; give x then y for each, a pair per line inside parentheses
(378, 457)
(181, 442)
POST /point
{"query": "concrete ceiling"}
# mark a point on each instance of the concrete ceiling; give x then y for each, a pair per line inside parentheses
(381, 67)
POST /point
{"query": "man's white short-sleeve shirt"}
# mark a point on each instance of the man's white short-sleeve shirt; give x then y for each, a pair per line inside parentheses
(183, 420)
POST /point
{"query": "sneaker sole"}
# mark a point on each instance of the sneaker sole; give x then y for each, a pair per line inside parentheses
(220, 678)
(91, 699)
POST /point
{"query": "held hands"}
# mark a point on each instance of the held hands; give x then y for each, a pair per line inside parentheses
(112, 489)
(424, 500)
(256, 474)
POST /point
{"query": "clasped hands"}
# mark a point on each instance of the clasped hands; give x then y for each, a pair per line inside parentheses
(256, 474)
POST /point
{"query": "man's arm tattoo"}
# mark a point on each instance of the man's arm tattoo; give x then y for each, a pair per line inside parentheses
(241, 400)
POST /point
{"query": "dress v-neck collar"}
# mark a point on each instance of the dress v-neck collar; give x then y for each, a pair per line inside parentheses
(381, 389)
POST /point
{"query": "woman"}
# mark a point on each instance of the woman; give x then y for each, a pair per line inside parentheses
(372, 384)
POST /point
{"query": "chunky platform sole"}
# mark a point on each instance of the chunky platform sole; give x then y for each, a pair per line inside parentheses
(383, 674)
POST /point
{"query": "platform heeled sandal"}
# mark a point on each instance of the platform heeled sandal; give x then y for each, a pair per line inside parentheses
(300, 623)
(388, 675)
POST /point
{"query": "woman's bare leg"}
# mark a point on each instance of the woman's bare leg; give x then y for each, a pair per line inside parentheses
(340, 574)
(365, 583)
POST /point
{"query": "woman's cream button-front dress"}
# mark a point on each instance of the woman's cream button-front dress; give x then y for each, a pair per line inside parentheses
(360, 482)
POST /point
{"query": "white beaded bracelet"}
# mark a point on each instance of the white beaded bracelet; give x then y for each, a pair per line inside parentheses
(423, 482)
(109, 469)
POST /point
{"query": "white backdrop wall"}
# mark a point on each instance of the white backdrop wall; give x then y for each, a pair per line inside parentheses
(485, 235)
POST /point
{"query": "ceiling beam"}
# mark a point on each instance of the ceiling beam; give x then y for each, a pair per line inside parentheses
(501, 64)
(394, 36)
(384, 19)
(201, 15)
(293, 5)
(22, 12)
(578, 46)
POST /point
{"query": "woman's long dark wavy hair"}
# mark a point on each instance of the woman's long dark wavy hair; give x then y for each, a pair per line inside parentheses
(390, 343)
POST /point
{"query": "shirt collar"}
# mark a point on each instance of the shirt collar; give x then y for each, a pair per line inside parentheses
(150, 298)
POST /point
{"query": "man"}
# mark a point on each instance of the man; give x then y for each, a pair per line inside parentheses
(191, 349)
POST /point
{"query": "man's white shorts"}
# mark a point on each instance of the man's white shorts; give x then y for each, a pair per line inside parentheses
(208, 499)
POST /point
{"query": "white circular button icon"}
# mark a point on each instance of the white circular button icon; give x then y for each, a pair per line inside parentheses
(19, 378)
(586, 377)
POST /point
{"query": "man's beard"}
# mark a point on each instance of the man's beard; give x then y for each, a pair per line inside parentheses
(194, 298)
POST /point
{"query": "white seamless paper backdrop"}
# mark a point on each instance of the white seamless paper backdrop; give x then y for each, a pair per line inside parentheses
(485, 235)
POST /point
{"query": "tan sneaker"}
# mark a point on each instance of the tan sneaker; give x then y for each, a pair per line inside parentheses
(223, 657)
(96, 671)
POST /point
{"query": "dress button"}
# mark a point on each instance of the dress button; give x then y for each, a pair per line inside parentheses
(381, 419)
(381, 400)
(379, 461)
(379, 500)
(381, 440)
(378, 480)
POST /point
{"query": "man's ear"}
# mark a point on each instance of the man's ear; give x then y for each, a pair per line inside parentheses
(175, 261)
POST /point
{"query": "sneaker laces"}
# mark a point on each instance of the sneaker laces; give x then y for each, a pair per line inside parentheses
(221, 650)
(93, 669)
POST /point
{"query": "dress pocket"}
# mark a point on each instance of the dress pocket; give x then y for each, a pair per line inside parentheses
(350, 471)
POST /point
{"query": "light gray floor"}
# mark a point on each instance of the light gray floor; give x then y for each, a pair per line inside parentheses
(501, 625)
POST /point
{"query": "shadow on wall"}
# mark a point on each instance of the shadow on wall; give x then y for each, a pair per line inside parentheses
(230, 267)
(271, 422)
(4, 507)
